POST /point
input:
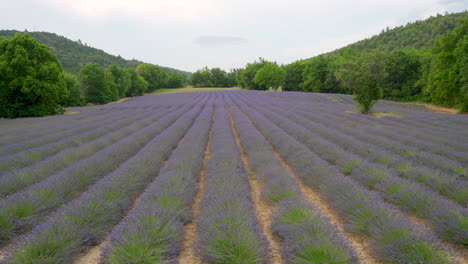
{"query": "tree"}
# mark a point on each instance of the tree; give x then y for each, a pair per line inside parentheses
(138, 85)
(31, 78)
(245, 77)
(447, 84)
(404, 71)
(270, 75)
(294, 77)
(175, 80)
(154, 75)
(121, 78)
(95, 84)
(218, 77)
(363, 75)
(201, 78)
(315, 75)
(231, 77)
(75, 97)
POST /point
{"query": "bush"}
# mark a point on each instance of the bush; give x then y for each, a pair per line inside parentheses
(31, 78)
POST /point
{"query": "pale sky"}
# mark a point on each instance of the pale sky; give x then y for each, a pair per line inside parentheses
(190, 34)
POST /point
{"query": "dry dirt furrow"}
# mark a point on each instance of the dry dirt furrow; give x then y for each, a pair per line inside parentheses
(359, 243)
(460, 254)
(188, 254)
(263, 210)
(94, 255)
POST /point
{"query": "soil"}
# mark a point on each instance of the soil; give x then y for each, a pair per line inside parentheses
(263, 210)
(93, 255)
(119, 101)
(188, 253)
(439, 109)
(359, 243)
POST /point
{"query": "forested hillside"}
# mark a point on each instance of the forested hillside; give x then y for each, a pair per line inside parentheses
(421, 34)
(424, 61)
(75, 54)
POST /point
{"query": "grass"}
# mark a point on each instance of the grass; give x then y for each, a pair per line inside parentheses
(191, 89)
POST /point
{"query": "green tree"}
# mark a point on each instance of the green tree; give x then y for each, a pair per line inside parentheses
(201, 78)
(121, 78)
(315, 75)
(231, 78)
(270, 75)
(447, 81)
(363, 75)
(294, 76)
(112, 86)
(138, 85)
(31, 78)
(95, 84)
(404, 70)
(75, 97)
(218, 77)
(175, 80)
(245, 77)
(154, 75)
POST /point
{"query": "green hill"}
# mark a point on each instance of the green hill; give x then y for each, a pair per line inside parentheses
(423, 61)
(421, 34)
(74, 54)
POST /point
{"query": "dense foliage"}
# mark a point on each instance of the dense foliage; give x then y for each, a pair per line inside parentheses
(33, 82)
(214, 77)
(76, 96)
(363, 75)
(153, 74)
(423, 61)
(270, 75)
(31, 79)
(448, 73)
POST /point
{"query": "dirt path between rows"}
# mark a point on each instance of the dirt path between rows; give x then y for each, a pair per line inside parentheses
(359, 243)
(460, 253)
(94, 254)
(263, 210)
(188, 254)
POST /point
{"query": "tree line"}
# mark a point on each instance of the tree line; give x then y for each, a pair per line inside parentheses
(33, 83)
(435, 75)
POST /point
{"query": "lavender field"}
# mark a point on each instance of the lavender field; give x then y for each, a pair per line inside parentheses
(235, 177)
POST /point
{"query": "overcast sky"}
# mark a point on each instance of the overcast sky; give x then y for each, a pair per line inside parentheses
(190, 34)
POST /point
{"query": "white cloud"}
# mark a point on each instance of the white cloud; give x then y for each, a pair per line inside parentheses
(153, 11)
(220, 40)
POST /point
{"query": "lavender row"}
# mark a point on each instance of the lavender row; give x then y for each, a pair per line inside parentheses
(48, 130)
(390, 122)
(54, 137)
(31, 127)
(395, 128)
(421, 140)
(395, 238)
(393, 142)
(420, 119)
(307, 235)
(16, 180)
(153, 230)
(25, 209)
(15, 130)
(83, 222)
(228, 231)
(446, 217)
(348, 153)
(31, 156)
